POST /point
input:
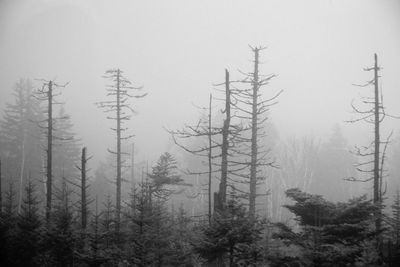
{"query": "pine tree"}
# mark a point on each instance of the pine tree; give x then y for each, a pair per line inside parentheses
(232, 237)
(8, 220)
(66, 149)
(182, 235)
(61, 239)
(94, 254)
(332, 234)
(141, 220)
(164, 174)
(396, 219)
(106, 224)
(20, 138)
(334, 163)
(122, 90)
(28, 236)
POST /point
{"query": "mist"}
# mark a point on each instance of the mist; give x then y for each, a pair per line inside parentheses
(178, 52)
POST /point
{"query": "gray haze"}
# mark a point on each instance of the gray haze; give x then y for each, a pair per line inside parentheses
(178, 49)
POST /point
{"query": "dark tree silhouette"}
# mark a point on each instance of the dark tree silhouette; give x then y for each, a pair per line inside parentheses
(28, 235)
(47, 93)
(249, 102)
(202, 129)
(121, 90)
(20, 137)
(374, 113)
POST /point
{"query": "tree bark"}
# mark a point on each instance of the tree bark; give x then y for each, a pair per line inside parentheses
(118, 200)
(49, 151)
(209, 163)
(83, 190)
(225, 146)
(254, 125)
(377, 189)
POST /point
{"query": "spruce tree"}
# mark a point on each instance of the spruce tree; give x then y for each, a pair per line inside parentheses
(20, 138)
(233, 237)
(28, 235)
(8, 220)
(396, 219)
(61, 239)
(332, 234)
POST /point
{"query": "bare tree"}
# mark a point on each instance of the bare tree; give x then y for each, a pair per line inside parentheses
(225, 146)
(84, 186)
(203, 128)
(253, 108)
(121, 90)
(374, 113)
(47, 93)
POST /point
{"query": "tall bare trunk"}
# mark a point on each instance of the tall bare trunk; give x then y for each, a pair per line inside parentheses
(225, 146)
(209, 162)
(22, 170)
(49, 151)
(118, 201)
(254, 127)
(377, 189)
(83, 190)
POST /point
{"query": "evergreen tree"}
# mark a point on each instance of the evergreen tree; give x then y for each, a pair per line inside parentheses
(28, 235)
(61, 238)
(164, 174)
(331, 234)
(20, 137)
(233, 236)
(182, 236)
(94, 253)
(8, 220)
(141, 220)
(106, 224)
(334, 164)
(396, 218)
(66, 149)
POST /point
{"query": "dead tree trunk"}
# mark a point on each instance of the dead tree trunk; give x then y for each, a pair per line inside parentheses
(374, 114)
(377, 189)
(49, 151)
(225, 146)
(133, 165)
(46, 93)
(254, 135)
(84, 187)
(118, 201)
(122, 91)
(251, 106)
(209, 162)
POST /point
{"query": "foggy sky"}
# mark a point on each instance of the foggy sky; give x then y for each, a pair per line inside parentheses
(178, 49)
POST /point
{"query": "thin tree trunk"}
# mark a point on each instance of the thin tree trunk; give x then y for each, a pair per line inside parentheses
(377, 189)
(133, 165)
(225, 146)
(49, 151)
(83, 190)
(254, 152)
(209, 162)
(118, 201)
(22, 169)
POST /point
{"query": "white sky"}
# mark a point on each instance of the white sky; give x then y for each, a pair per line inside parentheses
(178, 49)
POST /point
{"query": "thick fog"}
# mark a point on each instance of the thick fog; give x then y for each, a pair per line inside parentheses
(298, 164)
(177, 50)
